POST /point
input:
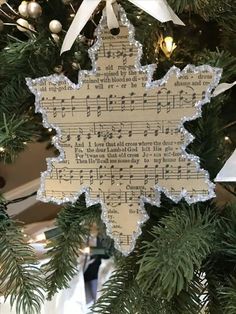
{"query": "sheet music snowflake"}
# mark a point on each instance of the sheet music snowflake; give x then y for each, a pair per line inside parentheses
(121, 136)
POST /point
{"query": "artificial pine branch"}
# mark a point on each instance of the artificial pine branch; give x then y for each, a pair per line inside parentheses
(126, 298)
(208, 126)
(13, 94)
(227, 295)
(181, 243)
(121, 294)
(224, 12)
(74, 223)
(219, 267)
(208, 9)
(20, 278)
(193, 299)
(116, 288)
(15, 132)
(194, 6)
(227, 229)
(39, 57)
(29, 58)
(218, 58)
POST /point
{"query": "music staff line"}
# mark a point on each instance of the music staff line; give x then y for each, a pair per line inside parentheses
(124, 239)
(118, 129)
(112, 103)
(116, 198)
(114, 175)
(113, 198)
(117, 50)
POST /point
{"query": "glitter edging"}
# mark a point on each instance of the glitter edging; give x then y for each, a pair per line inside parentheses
(188, 138)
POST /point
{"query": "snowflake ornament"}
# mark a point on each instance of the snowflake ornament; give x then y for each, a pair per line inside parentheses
(121, 135)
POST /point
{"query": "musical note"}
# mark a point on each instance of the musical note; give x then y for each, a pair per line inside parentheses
(146, 175)
(166, 172)
(108, 53)
(124, 55)
(188, 170)
(79, 134)
(81, 176)
(91, 177)
(144, 100)
(132, 101)
(63, 112)
(131, 50)
(158, 105)
(179, 172)
(123, 103)
(71, 176)
(54, 108)
(130, 198)
(98, 106)
(112, 175)
(125, 239)
(88, 109)
(110, 107)
(130, 174)
(100, 175)
(168, 103)
(181, 92)
(146, 130)
(72, 105)
(68, 137)
(194, 97)
(121, 174)
(156, 174)
(116, 198)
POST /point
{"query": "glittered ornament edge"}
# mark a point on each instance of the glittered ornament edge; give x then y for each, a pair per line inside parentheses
(149, 70)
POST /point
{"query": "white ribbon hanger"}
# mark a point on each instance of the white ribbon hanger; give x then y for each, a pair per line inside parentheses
(159, 9)
(222, 88)
(228, 172)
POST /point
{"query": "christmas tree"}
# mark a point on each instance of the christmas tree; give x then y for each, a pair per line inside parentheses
(184, 260)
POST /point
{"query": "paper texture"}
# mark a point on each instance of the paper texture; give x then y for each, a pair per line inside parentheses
(121, 139)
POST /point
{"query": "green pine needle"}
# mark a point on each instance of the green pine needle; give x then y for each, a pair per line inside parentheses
(220, 59)
(228, 233)
(122, 294)
(20, 278)
(74, 223)
(227, 295)
(181, 243)
(15, 132)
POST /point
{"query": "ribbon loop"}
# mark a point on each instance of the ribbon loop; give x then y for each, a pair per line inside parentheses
(112, 21)
(81, 18)
(222, 88)
(159, 9)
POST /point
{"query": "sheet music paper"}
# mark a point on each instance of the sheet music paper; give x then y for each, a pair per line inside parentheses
(122, 135)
